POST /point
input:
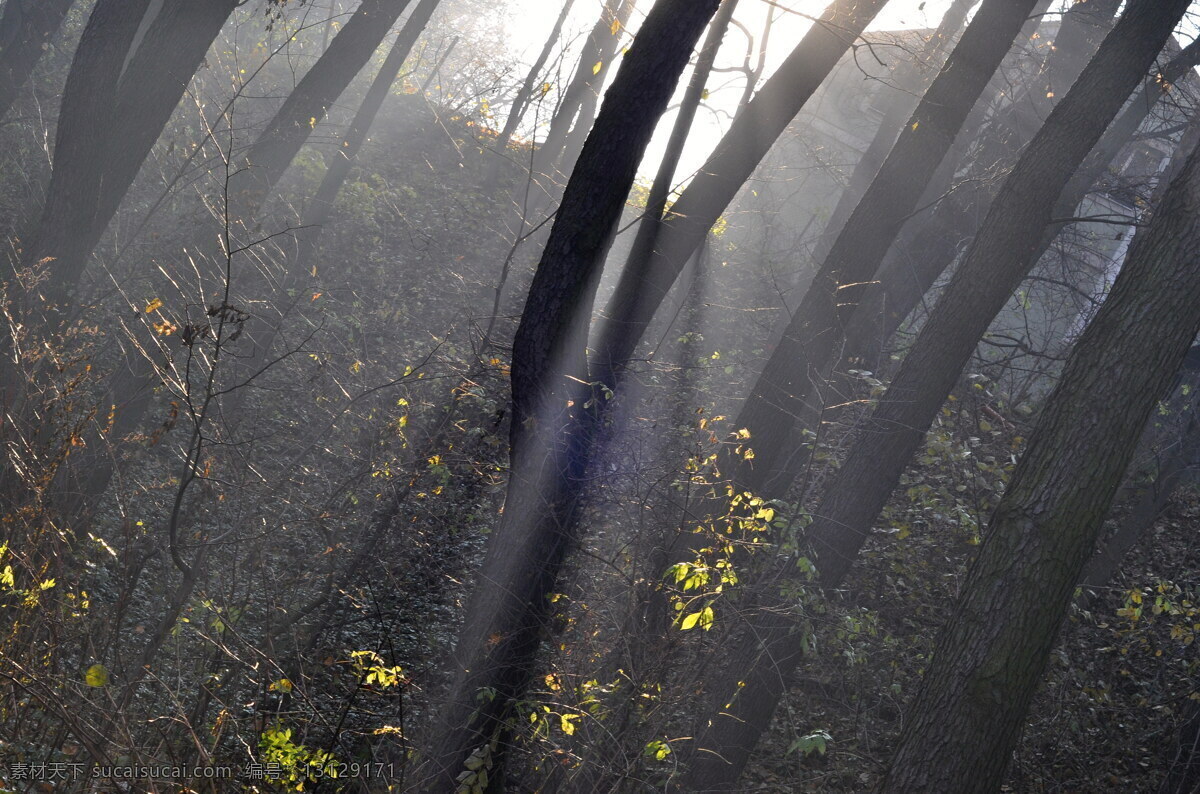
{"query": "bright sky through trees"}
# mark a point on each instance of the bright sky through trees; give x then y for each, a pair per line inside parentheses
(530, 22)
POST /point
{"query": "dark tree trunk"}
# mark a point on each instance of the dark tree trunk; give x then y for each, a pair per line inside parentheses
(149, 91)
(525, 92)
(764, 674)
(350, 50)
(549, 435)
(660, 190)
(26, 27)
(999, 258)
(341, 163)
(788, 393)
(960, 732)
(86, 124)
(644, 285)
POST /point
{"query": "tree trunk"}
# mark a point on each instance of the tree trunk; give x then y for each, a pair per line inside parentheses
(913, 266)
(350, 50)
(644, 285)
(525, 92)
(151, 86)
(910, 78)
(26, 27)
(549, 434)
(960, 732)
(760, 680)
(660, 190)
(86, 124)
(598, 50)
(999, 258)
(787, 393)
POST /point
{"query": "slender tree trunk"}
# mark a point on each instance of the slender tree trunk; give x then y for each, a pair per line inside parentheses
(760, 680)
(644, 285)
(550, 431)
(26, 27)
(86, 124)
(960, 732)
(660, 190)
(350, 50)
(597, 56)
(998, 259)
(787, 393)
(910, 78)
(525, 92)
(913, 266)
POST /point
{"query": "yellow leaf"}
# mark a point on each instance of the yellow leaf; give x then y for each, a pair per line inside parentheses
(616, 26)
(315, 296)
(96, 676)
(599, 65)
(565, 722)
(154, 305)
(915, 125)
(282, 685)
(546, 88)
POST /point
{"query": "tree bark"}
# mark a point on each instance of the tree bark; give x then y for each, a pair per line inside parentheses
(644, 285)
(960, 732)
(26, 27)
(549, 434)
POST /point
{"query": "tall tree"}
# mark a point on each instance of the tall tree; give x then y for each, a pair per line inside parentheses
(277, 145)
(660, 189)
(960, 732)
(26, 27)
(150, 88)
(549, 434)
(525, 93)
(86, 118)
(992, 268)
(598, 51)
(928, 247)
(759, 679)
(909, 78)
(643, 285)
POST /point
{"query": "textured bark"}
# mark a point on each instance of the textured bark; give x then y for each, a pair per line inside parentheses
(999, 258)
(960, 732)
(26, 27)
(761, 679)
(151, 86)
(644, 285)
(86, 124)
(660, 190)
(787, 392)
(278, 144)
(549, 435)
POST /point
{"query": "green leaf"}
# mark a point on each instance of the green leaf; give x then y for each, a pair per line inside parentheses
(96, 676)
